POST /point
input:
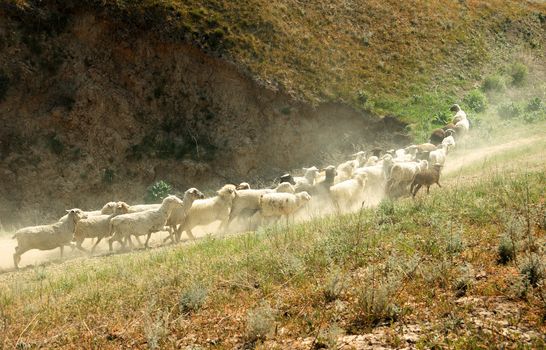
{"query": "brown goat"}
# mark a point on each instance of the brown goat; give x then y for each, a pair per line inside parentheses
(437, 136)
(426, 178)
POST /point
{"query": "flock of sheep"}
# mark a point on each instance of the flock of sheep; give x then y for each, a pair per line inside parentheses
(364, 180)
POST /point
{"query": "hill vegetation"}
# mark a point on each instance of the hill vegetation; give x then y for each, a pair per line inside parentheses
(411, 58)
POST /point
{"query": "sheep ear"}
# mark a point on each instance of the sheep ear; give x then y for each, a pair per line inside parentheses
(68, 210)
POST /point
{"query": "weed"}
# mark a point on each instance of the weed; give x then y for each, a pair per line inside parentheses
(327, 338)
(509, 110)
(506, 250)
(476, 101)
(534, 105)
(155, 330)
(334, 285)
(532, 271)
(519, 73)
(493, 83)
(157, 191)
(193, 298)
(260, 322)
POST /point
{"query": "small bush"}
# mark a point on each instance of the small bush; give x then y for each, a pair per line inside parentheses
(362, 97)
(260, 322)
(375, 305)
(534, 117)
(534, 105)
(519, 73)
(334, 286)
(532, 271)
(476, 101)
(442, 118)
(193, 298)
(506, 251)
(156, 192)
(509, 110)
(493, 83)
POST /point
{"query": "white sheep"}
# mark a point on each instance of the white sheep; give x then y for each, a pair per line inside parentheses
(349, 192)
(178, 215)
(277, 205)
(308, 178)
(449, 140)
(142, 222)
(143, 207)
(206, 211)
(405, 154)
(371, 161)
(108, 208)
(247, 201)
(97, 226)
(345, 170)
(439, 155)
(377, 174)
(47, 237)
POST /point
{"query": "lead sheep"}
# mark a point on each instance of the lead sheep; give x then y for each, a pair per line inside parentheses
(142, 223)
(206, 211)
(402, 175)
(426, 178)
(47, 237)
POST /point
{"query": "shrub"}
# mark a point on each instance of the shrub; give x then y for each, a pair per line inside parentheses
(532, 271)
(506, 250)
(476, 101)
(156, 192)
(535, 116)
(493, 83)
(193, 298)
(509, 110)
(334, 286)
(519, 73)
(534, 105)
(442, 118)
(260, 322)
(375, 304)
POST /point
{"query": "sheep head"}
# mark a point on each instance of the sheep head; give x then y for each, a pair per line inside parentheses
(109, 208)
(121, 208)
(330, 172)
(302, 198)
(193, 194)
(455, 108)
(76, 214)
(243, 186)
(228, 191)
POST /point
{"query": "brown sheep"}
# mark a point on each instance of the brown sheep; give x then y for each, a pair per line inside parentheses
(427, 178)
(437, 136)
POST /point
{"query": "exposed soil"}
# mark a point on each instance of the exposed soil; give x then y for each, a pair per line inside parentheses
(93, 113)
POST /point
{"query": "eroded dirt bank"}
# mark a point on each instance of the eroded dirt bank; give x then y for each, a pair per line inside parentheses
(95, 111)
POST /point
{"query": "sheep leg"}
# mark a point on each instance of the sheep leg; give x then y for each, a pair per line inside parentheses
(95, 245)
(147, 239)
(190, 234)
(138, 240)
(417, 188)
(438, 182)
(428, 189)
(17, 256)
(62, 250)
(170, 236)
(79, 246)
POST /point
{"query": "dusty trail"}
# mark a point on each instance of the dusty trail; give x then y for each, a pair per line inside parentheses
(468, 156)
(463, 158)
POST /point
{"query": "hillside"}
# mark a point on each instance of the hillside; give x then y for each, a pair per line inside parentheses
(100, 99)
(462, 267)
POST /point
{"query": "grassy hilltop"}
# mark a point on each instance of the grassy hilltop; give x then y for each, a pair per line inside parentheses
(409, 58)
